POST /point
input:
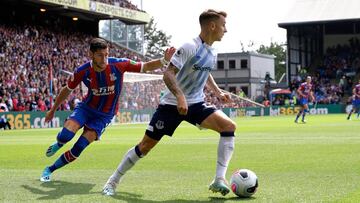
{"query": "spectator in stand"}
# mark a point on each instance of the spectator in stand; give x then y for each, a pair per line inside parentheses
(4, 123)
(3, 105)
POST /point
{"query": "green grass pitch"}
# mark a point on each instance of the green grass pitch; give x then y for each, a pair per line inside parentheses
(314, 162)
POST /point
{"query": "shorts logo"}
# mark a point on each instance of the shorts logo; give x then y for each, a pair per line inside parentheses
(159, 124)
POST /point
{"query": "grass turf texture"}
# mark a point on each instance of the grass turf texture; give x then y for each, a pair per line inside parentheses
(314, 162)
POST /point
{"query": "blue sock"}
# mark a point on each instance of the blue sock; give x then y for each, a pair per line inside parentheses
(71, 154)
(64, 136)
(298, 115)
(303, 116)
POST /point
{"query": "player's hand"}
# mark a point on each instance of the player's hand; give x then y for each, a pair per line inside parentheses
(225, 97)
(49, 116)
(169, 52)
(182, 106)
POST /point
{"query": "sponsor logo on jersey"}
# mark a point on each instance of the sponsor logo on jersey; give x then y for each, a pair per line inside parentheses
(201, 68)
(132, 62)
(104, 91)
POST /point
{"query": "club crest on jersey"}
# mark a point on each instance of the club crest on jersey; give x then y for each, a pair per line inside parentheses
(112, 77)
(179, 52)
(159, 124)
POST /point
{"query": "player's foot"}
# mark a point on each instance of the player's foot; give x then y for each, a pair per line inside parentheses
(219, 185)
(46, 175)
(52, 149)
(109, 188)
(296, 121)
(303, 121)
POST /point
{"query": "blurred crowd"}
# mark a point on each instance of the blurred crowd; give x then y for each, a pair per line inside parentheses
(333, 80)
(26, 53)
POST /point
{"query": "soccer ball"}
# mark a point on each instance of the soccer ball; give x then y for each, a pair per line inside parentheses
(244, 182)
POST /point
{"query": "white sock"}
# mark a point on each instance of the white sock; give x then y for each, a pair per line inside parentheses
(225, 151)
(126, 163)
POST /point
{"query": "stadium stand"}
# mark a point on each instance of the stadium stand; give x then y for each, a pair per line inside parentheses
(121, 3)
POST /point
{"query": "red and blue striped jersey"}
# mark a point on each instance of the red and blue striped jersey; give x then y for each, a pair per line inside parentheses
(305, 89)
(104, 88)
(357, 91)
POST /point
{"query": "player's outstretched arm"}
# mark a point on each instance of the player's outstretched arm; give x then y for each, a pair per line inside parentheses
(159, 63)
(64, 93)
(223, 96)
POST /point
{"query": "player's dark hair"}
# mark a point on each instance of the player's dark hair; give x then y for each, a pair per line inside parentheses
(209, 15)
(97, 43)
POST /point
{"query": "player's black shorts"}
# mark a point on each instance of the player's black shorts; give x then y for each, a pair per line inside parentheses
(167, 118)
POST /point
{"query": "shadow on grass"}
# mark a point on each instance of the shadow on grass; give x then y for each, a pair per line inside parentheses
(130, 197)
(59, 189)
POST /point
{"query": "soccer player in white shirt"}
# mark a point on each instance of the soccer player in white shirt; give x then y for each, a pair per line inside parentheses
(185, 78)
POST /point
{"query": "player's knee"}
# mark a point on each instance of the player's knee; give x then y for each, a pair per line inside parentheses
(65, 136)
(229, 127)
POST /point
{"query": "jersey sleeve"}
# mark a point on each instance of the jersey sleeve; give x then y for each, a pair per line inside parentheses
(182, 55)
(127, 65)
(302, 87)
(75, 79)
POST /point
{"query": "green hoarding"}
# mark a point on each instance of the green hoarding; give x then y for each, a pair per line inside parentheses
(34, 119)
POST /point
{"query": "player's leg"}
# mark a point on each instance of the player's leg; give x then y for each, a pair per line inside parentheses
(351, 111)
(73, 123)
(2, 125)
(128, 161)
(8, 125)
(95, 126)
(299, 113)
(69, 156)
(302, 109)
(65, 135)
(164, 121)
(222, 124)
(306, 109)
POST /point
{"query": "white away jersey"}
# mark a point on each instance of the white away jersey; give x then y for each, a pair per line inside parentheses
(194, 60)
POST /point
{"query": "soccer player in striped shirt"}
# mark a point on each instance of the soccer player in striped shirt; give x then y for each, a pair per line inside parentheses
(304, 92)
(355, 100)
(185, 78)
(104, 78)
